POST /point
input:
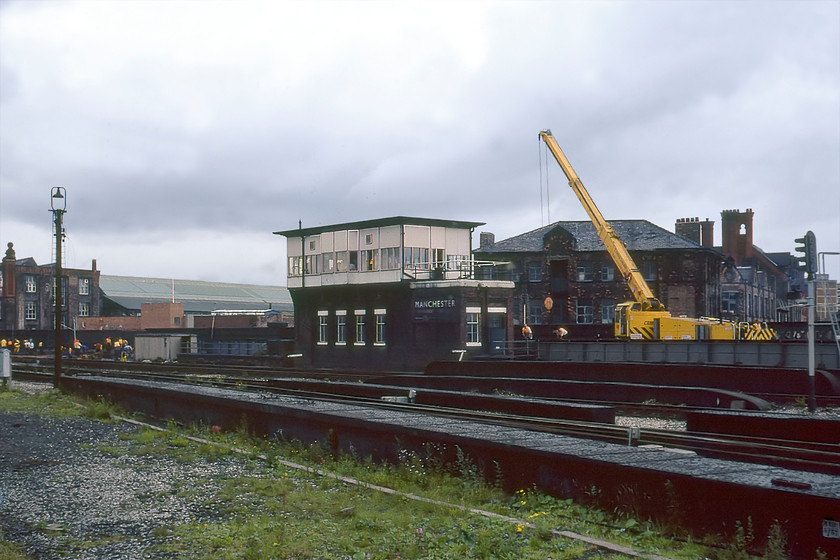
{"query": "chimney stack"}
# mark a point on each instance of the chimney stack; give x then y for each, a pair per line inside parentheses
(9, 271)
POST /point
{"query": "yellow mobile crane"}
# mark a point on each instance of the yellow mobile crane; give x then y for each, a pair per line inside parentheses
(645, 318)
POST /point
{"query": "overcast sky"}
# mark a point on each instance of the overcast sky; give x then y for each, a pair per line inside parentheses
(187, 132)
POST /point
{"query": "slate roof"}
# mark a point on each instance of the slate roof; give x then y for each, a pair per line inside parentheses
(638, 235)
(197, 296)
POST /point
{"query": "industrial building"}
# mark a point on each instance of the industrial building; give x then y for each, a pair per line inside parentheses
(228, 317)
(124, 296)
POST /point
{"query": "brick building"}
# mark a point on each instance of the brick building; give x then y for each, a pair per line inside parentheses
(392, 294)
(755, 286)
(27, 301)
(564, 275)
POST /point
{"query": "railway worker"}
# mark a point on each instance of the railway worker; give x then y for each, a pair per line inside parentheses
(561, 333)
(2, 343)
(526, 332)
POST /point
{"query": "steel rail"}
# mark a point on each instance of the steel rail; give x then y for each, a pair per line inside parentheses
(797, 455)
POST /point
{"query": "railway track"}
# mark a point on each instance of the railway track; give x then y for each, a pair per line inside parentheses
(797, 455)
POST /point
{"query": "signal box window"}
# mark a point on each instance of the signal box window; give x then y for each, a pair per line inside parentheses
(294, 266)
(370, 260)
(323, 324)
(473, 332)
(341, 261)
(380, 327)
(360, 327)
(341, 327)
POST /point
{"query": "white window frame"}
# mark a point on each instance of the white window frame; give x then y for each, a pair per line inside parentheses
(607, 272)
(84, 286)
(30, 311)
(294, 267)
(359, 327)
(473, 318)
(380, 315)
(84, 309)
(31, 284)
(323, 328)
(341, 327)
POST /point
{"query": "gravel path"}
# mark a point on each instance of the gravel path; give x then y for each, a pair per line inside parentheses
(61, 496)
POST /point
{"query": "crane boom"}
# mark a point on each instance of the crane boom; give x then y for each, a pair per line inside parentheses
(615, 247)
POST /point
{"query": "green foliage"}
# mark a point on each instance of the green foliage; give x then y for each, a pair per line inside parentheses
(742, 541)
(776, 543)
(269, 510)
(10, 551)
(47, 403)
(98, 410)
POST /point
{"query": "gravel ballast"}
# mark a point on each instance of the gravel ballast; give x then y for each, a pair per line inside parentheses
(69, 489)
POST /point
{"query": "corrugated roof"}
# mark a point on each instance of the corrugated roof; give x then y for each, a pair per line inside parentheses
(637, 235)
(197, 296)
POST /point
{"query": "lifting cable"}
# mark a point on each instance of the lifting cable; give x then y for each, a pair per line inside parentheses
(545, 209)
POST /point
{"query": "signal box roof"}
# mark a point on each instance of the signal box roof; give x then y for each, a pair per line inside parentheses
(379, 222)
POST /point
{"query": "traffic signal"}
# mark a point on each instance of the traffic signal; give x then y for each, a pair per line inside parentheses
(808, 260)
